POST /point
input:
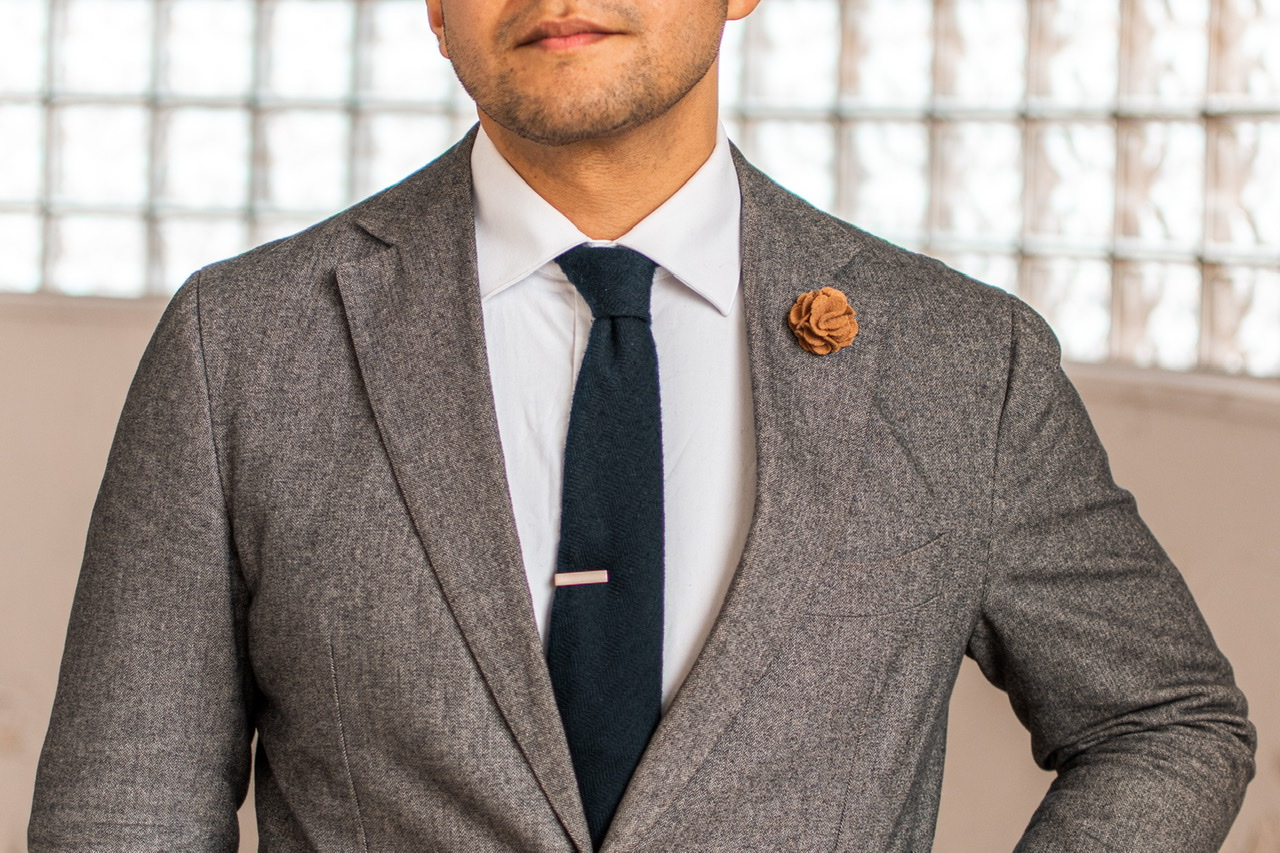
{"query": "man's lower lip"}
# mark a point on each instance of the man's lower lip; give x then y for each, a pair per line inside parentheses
(569, 42)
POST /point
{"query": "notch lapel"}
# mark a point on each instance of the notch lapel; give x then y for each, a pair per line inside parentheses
(810, 417)
(416, 322)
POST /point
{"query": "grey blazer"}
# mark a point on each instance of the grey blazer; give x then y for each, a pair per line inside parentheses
(305, 532)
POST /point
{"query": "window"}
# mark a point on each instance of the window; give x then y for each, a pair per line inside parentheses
(1109, 161)
(176, 132)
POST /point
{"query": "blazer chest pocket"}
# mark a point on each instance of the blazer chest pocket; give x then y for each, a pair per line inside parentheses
(848, 588)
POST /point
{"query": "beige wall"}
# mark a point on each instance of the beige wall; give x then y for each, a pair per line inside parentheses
(1203, 458)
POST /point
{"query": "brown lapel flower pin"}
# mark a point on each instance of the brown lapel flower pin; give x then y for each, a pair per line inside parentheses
(823, 321)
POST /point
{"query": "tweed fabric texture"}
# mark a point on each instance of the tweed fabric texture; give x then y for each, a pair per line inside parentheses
(304, 531)
(604, 650)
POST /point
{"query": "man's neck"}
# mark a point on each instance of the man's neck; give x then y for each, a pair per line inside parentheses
(605, 186)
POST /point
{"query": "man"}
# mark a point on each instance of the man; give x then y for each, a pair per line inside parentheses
(334, 515)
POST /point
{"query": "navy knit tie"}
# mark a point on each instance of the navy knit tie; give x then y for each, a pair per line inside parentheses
(605, 646)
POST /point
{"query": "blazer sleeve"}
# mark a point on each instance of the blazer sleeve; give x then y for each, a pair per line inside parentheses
(1092, 632)
(148, 745)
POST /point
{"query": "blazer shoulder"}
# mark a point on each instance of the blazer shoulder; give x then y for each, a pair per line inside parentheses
(901, 275)
(429, 207)
(934, 320)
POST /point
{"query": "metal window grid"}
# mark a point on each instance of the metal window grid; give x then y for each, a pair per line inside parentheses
(1145, 274)
(260, 215)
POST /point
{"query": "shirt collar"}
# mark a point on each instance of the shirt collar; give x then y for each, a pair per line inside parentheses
(694, 235)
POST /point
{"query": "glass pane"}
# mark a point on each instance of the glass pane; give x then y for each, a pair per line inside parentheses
(890, 52)
(732, 129)
(403, 61)
(1161, 322)
(1246, 206)
(1168, 50)
(980, 186)
(306, 160)
(731, 64)
(399, 144)
(310, 48)
(800, 156)
(888, 177)
(1076, 51)
(997, 270)
(1245, 333)
(20, 261)
(463, 121)
(1162, 196)
(187, 244)
(1074, 295)
(206, 158)
(276, 226)
(99, 255)
(982, 49)
(795, 57)
(1249, 65)
(22, 132)
(209, 47)
(105, 46)
(1072, 192)
(22, 41)
(101, 155)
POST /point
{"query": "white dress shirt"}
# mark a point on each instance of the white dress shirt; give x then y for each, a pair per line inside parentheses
(536, 327)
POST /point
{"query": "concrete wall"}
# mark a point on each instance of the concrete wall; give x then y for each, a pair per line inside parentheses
(1202, 456)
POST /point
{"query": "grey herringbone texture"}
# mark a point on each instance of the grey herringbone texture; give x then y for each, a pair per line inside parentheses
(304, 528)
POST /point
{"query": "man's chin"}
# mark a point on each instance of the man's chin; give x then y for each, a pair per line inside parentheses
(574, 108)
(561, 127)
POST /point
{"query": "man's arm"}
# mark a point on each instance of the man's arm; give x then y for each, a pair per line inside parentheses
(1093, 633)
(148, 747)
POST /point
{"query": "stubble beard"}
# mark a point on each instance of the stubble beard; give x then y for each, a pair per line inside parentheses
(561, 116)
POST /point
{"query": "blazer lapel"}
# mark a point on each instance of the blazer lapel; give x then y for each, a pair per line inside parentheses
(415, 318)
(810, 417)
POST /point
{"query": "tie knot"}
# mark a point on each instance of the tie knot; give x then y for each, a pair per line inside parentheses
(614, 281)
